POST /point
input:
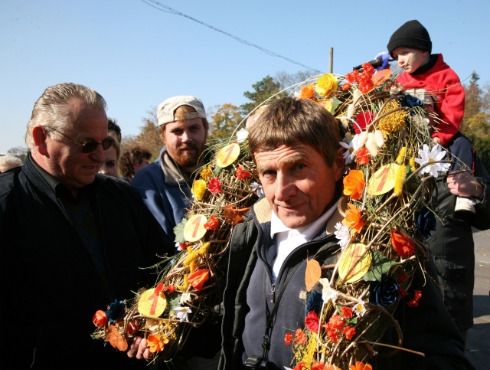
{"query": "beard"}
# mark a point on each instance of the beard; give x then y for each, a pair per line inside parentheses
(187, 156)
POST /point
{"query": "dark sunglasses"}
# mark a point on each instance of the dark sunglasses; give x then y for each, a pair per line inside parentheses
(88, 145)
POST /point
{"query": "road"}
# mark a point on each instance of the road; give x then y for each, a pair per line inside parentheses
(478, 346)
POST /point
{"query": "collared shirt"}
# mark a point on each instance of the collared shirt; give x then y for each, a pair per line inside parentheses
(287, 239)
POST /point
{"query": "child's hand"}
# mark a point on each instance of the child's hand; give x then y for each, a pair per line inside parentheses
(436, 140)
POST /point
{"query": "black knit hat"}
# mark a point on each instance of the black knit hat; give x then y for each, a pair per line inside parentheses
(411, 34)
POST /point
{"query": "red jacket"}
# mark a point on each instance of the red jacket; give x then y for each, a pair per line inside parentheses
(445, 87)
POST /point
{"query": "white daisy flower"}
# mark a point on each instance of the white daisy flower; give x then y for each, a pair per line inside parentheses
(185, 298)
(342, 233)
(430, 160)
(359, 309)
(182, 313)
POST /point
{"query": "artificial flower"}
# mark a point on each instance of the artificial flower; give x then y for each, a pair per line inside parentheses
(242, 174)
(349, 332)
(354, 184)
(385, 292)
(430, 160)
(317, 366)
(402, 245)
(206, 173)
(312, 321)
(331, 367)
(360, 366)
(288, 338)
(392, 117)
(100, 319)
(375, 140)
(307, 92)
(257, 189)
(342, 234)
(182, 313)
(198, 278)
(185, 298)
(346, 312)
(299, 366)
(234, 215)
(353, 218)
(198, 189)
(242, 135)
(299, 337)
(363, 120)
(359, 309)
(116, 310)
(204, 248)
(326, 85)
(414, 302)
(362, 156)
(212, 224)
(156, 342)
(402, 153)
(214, 185)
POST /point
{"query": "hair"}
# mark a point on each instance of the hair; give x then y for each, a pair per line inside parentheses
(8, 162)
(114, 129)
(180, 114)
(131, 156)
(289, 121)
(51, 109)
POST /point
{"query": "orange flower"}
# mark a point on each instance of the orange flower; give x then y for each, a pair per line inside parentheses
(307, 92)
(300, 337)
(353, 218)
(402, 245)
(156, 343)
(213, 223)
(360, 366)
(354, 184)
(331, 367)
(362, 156)
(234, 215)
(198, 278)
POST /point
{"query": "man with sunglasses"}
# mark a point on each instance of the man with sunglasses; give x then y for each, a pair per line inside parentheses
(72, 240)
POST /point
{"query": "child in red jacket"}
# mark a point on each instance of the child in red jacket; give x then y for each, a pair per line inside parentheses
(427, 77)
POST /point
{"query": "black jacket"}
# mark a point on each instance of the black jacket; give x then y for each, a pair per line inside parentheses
(427, 329)
(50, 285)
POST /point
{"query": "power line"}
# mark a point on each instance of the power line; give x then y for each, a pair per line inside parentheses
(167, 9)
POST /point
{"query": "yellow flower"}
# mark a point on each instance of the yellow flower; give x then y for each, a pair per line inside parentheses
(206, 173)
(393, 121)
(191, 256)
(326, 85)
(411, 162)
(204, 248)
(401, 173)
(198, 189)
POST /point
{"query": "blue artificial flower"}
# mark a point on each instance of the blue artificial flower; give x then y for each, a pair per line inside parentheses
(385, 292)
(411, 101)
(116, 310)
(425, 221)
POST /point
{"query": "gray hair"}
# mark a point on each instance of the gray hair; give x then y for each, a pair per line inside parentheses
(51, 108)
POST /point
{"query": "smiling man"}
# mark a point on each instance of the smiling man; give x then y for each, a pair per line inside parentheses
(72, 240)
(295, 145)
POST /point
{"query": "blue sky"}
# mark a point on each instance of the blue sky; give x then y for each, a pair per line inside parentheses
(136, 55)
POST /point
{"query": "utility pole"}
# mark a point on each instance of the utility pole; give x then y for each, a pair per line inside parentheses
(331, 60)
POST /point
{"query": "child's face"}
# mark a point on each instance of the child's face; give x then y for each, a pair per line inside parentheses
(410, 59)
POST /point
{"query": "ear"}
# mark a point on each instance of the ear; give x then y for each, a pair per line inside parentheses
(339, 164)
(161, 133)
(39, 136)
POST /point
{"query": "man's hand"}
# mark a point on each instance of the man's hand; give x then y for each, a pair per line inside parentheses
(139, 349)
(464, 184)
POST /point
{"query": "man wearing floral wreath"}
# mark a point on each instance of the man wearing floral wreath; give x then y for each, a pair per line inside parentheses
(295, 145)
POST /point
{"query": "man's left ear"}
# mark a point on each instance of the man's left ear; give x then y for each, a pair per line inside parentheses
(39, 136)
(339, 164)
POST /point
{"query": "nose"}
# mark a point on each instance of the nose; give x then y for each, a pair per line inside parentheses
(98, 154)
(284, 188)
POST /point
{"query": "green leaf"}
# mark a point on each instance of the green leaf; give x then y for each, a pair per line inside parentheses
(380, 265)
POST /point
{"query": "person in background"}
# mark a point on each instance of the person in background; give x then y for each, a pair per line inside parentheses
(73, 241)
(132, 160)
(8, 162)
(427, 77)
(295, 145)
(110, 165)
(165, 185)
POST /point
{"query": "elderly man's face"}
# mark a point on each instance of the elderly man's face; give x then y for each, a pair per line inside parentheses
(66, 161)
(297, 182)
(185, 141)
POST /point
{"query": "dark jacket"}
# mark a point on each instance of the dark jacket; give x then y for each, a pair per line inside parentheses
(50, 284)
(451, 244)
(427, 329)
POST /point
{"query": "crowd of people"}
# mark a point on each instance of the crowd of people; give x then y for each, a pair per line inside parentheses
(80, 217)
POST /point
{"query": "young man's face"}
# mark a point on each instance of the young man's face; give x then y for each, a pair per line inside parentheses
(410, 59)
(110, 163)
(185, 141)
(297, 182)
